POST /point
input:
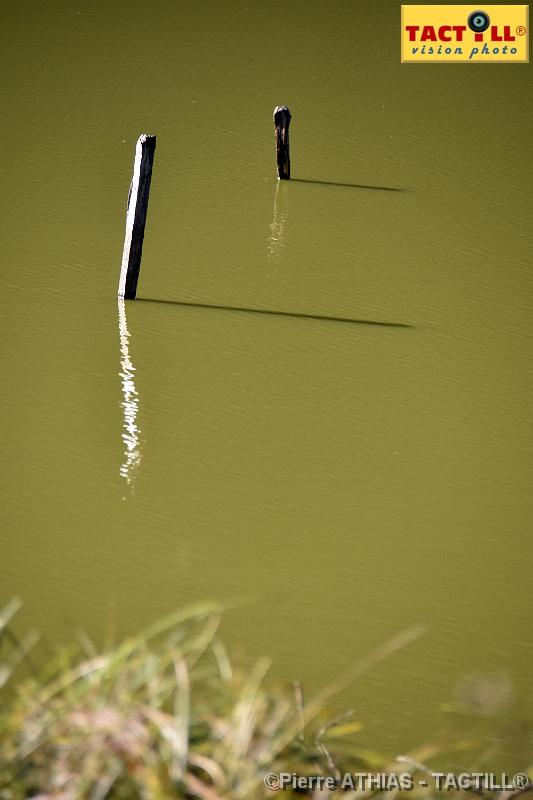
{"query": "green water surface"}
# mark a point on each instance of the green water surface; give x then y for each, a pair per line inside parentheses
(347, 479)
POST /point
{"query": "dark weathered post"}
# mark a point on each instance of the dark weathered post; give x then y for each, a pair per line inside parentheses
(136, 216)
(282, 118)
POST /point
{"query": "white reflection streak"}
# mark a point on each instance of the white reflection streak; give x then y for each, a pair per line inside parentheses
(276, 240)
(130, 404)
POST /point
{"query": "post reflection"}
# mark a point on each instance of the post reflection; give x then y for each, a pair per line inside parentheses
(276, 240)
(130, 403)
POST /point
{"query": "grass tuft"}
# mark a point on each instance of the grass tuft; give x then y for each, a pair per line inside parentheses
(166, 714)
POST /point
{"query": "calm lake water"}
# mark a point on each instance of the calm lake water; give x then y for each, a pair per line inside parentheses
(347, 480)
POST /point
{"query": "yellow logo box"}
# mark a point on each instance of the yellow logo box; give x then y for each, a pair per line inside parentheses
(476, 34)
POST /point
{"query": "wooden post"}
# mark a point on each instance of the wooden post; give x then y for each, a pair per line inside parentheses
(282, 118)
(136, 216)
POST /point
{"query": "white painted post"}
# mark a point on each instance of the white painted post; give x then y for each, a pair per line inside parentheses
(136, 216)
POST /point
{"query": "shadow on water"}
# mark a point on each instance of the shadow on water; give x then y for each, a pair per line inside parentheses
(349, 185)
(270, 312)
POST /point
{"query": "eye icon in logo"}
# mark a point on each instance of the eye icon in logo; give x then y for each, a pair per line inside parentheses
(478, 21)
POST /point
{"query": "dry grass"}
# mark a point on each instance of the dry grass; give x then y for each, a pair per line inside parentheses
(162, 715)
(165, 715)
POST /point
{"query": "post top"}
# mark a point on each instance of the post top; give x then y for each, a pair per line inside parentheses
(283, 110)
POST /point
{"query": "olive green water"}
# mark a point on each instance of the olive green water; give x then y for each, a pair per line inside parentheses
(348, 480)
